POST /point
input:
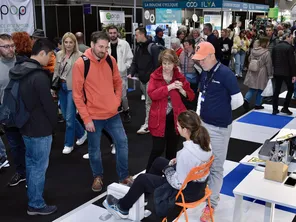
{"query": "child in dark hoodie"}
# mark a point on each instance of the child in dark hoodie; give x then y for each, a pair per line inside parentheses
(196, 151)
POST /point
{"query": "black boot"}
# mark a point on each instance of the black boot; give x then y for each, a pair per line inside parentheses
(246, 105)
(126, 116)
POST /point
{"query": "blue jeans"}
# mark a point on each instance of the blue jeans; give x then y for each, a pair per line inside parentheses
(73, 126)
(18, 149)
(250, 94)
(37, 158)
(239, 61)
(115, 128)
(2, 149)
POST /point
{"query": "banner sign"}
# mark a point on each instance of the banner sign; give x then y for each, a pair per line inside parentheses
(112, 17)
(245, 6)
(168, 15)
(185, 4)
(87, 9)
(16, 16)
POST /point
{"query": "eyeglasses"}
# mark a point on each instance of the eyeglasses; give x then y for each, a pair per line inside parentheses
(7, 46)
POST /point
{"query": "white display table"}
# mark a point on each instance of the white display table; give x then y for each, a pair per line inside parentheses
(255, 186)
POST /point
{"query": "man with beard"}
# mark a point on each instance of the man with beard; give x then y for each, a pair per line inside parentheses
(97, 97)
(14, 138)
(121, 51)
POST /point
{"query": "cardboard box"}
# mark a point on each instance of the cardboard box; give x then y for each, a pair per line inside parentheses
(276, 171)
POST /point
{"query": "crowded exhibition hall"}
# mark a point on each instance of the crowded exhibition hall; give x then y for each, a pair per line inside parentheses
(146, 110)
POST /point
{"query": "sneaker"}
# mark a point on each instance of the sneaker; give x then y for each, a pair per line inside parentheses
(127, 181)
(67, 150)
(236, 75)
(82, 139)
(111, 204)
(287, 111)
(3, 162)
(206, 217)
(246, 105)
(86, 156)
(259, 107)
(126, 116)
(16, 179)
(143, 97)
(42, 211)
(97, 184)
(113, 150)
(274, 112)
(143, 129)
(60, 119)
(120, 109)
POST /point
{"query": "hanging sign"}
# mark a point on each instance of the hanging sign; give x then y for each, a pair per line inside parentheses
(112, 17)
(16, 16)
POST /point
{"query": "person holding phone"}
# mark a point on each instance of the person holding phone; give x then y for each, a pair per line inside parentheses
(166, 88)
(65, 60)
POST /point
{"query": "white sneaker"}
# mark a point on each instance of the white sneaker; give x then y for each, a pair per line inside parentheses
(143, 97)
(82, 139)
(143, 129)
(113, 151)
(86, 156)
(67, 150)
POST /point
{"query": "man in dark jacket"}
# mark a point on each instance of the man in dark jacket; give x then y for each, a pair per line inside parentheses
(283, 61)
(273, 40)
(144, 63)
(37, 132)
(208, 31)
(158, 36)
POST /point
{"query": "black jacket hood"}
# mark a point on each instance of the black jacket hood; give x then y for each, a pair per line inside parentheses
(23, 68)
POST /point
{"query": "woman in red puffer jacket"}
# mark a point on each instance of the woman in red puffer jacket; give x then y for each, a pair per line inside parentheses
(166, 88)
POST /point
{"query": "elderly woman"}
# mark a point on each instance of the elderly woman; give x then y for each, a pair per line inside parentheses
(166, 88)
(176, 46)
(195, 34)
(65, 60)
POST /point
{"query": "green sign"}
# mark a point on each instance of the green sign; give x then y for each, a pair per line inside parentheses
(273, 12)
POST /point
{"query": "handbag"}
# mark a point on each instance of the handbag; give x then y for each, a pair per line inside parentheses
(268, 91)
(55, 84)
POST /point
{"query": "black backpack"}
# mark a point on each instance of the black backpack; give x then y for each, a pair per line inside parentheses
(13, 112)
(87, 65)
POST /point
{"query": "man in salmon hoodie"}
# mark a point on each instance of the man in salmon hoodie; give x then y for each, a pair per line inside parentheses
(97, 98)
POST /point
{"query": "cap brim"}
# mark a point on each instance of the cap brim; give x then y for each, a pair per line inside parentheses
(38, 37)
(199, 57)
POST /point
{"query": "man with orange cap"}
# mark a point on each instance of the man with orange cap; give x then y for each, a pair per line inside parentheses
(219, 91)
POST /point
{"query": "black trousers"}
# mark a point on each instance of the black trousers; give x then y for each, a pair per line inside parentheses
(278, 85)
(169, 142)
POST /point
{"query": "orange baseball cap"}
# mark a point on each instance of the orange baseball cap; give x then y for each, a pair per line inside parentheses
(203, 49)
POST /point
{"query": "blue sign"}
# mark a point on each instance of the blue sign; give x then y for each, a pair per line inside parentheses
(185, 4)
(168, 15)
(87, 9)
(245, 6)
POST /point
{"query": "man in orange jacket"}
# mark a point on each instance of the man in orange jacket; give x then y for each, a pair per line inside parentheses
(97, 98)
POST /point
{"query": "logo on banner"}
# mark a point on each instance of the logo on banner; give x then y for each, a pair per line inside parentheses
(110, 16)
(191, 4)
(13, 10)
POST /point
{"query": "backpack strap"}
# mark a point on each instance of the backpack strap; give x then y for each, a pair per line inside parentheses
(150, 47)
(109, 60)
(86, 62)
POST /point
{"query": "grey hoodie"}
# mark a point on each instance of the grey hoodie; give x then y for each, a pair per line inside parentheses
(187, 158)
(5, 66)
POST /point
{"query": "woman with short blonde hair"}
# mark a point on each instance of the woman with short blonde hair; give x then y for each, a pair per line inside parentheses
(65, 60)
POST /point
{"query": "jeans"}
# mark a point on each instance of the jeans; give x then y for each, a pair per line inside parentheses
(18, 149)
(219, 140)
(278, 85)
(115, 128)
(239, 62)
(124, 93)
(148, 101)
(250, 94)
(169, 142)
(37, 158)
(73, 126)
(2, 149)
